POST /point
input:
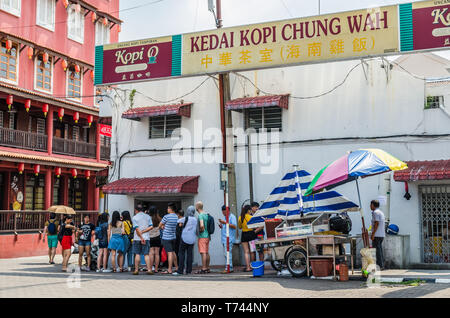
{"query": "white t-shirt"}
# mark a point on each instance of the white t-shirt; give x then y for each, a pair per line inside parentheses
(378, 216)
(142, 221)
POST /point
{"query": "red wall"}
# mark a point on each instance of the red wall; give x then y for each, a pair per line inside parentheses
(25, 26)
(23, 245)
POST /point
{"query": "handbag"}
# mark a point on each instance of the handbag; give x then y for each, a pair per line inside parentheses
(163, 255)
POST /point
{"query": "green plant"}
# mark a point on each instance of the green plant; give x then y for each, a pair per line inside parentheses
(131, 97)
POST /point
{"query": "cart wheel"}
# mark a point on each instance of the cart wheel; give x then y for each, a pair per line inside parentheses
(296, 262)
(277, 265)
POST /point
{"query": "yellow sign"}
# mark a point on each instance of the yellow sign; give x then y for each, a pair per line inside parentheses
(289, 42)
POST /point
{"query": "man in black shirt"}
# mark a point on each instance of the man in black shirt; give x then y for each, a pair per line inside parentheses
(85, 232)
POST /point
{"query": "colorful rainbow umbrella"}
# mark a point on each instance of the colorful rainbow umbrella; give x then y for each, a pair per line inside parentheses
(359, 163)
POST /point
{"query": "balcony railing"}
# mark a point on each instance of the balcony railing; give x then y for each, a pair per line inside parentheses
(105, 152)
(34, 221)
(23, 139)
(74, 148)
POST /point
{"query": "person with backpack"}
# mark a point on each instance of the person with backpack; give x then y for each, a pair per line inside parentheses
(169, 226)
(84, 242)
(155, 239)
(128, 238)
(101, 234)
(204, 236)
(188, 226)
(65, 237)
(51, 230)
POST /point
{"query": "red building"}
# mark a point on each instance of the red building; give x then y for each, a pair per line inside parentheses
(51, 152)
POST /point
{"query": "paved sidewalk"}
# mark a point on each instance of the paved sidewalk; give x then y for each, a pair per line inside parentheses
(34, 277)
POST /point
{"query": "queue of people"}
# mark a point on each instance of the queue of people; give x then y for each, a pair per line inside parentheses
(160, 238)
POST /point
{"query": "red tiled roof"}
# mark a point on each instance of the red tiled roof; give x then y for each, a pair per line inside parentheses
(258, 101)
(186, 184)
(424, 170)
(153, 111)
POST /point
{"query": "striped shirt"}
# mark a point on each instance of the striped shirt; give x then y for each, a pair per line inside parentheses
(170, 222)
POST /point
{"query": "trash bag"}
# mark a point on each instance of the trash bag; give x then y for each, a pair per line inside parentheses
(369, 256)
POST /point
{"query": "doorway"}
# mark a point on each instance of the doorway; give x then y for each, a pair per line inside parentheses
(435, 219)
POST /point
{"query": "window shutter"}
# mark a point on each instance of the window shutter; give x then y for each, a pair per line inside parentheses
(1, 119)
(41, 126)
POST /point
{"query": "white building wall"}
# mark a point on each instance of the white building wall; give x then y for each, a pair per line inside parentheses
(378, 107)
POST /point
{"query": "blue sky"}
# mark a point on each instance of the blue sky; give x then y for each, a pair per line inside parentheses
(167, 17)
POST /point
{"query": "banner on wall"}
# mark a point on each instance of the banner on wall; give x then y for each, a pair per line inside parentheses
(339, 36)
(105, 130)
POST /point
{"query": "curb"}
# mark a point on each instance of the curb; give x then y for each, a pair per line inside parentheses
(405, 280)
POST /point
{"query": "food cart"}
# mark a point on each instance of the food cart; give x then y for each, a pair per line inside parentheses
(302, 233)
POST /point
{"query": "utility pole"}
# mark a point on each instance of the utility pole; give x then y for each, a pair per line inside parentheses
(226, 125)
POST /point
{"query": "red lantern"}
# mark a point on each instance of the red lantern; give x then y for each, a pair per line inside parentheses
(21, 167)
(8, 45)
(94, 17)
(58, 172)
(77, 68)
(61, 114)
(9, 101)
(45, 58)
(30, 52)
(45, 109)
(76, 117)
(87, 174)
(66, 3)
(92, 74)
(105, 21)
(74, 173)
(37, 168)
(90, 120)
(64, 65)
(28, 105)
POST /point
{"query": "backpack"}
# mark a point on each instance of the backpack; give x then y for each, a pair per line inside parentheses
(51, 228)
(99, 232)
(210, 226)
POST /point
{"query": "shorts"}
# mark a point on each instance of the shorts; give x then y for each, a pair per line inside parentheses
(141, 249)
(103, 244)
(203, 245)
(52, 241)
(248, 236)
(84, 243)
(66, 242)
(155, 242)
(116, 243)
(169, 245)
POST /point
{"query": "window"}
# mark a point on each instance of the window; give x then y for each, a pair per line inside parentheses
(105, 141)
(8, 63)
(77, 193)
(74, 83)
(163, 126)
(434, 102)
(12, 121)
(263, 117)
(44, 74)
(40, 126)
(11, 6)
(57, 191)
(34, 192)
(75, 25)
(46, 14)
(76, 133)
(101, 34)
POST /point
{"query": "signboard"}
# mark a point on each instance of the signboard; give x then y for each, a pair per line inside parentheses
(338, 36)
(105, 130)
(137, 60)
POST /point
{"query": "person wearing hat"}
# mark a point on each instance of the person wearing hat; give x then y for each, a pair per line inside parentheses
(223, 226)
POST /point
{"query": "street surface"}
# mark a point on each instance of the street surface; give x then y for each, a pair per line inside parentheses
(34, 277)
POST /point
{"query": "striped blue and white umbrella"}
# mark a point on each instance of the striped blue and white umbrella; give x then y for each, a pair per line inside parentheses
(285, 200)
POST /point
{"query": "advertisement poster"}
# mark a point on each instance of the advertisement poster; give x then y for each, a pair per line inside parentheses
(105, 130)
(431, 24)
(16, 192)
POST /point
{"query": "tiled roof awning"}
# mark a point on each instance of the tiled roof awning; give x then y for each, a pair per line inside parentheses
(153, 111)
(258, 101)
(187, 184)
(424, 170)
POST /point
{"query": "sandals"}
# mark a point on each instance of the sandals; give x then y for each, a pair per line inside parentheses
(247, 270)
(202, 271)
(166, 272)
